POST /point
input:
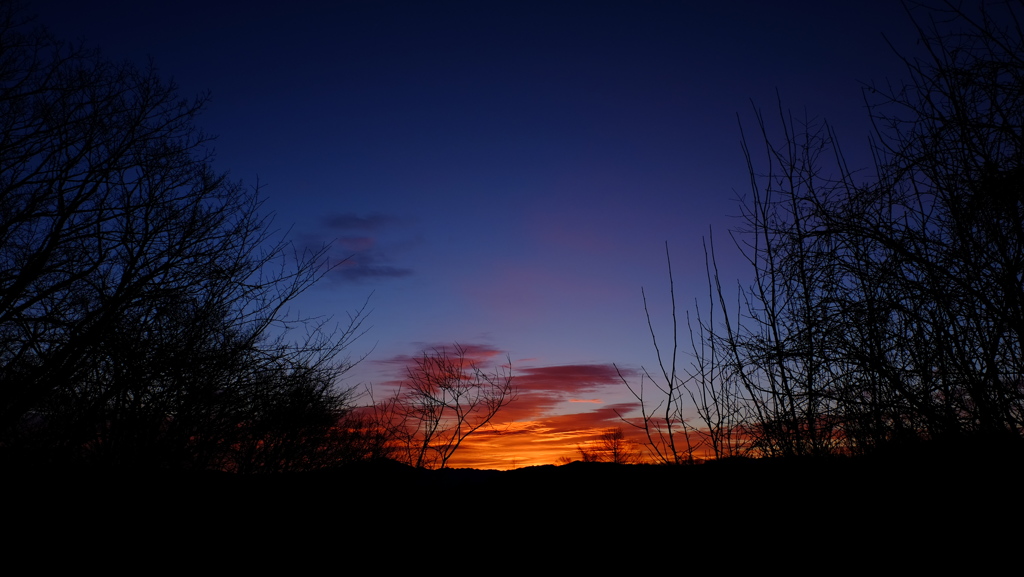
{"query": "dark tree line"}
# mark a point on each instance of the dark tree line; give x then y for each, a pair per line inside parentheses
(142, 294)
(884, 310)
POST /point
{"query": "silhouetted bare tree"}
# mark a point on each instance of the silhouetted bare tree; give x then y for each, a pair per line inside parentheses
(886, 307)
(780, 344)
(706, 382)
(142, 295)
(445, 399)
(891, 309)
(663, 424)
(611, 446)
(713, 384)
(944, 228)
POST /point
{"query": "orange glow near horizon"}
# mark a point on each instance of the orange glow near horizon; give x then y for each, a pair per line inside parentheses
(557, 410)
(531, 443)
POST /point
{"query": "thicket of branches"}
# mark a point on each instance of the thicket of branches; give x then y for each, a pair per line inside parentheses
(142, 295)
(883, 311)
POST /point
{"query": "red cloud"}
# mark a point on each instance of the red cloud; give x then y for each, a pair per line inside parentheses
(526, 432)
(566, 378)
(478, 354)
(600, 418)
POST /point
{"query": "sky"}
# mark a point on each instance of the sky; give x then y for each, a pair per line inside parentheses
(506, 175)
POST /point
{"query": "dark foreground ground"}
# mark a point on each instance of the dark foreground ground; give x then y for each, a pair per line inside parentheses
(742, 487)
(838, 512)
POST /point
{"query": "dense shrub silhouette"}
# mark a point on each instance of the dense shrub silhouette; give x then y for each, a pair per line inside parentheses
(141, 293)
(883, 310)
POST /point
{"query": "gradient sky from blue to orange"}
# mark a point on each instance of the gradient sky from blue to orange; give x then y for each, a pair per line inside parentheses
(505, 174)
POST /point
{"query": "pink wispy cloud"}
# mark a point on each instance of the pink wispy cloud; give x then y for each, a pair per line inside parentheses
(570, 378)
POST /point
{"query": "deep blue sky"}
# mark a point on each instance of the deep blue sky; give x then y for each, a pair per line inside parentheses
(504, 174)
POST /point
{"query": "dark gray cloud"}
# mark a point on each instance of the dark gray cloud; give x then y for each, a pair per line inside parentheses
(361, 252)
(473, 353)
(366, 265)
(351, 221)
